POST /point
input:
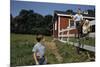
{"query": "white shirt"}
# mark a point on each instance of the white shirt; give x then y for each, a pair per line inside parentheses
(39, 49)
(78, 17)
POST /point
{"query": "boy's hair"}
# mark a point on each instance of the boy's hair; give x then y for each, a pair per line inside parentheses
(79, 10)
(39, 37)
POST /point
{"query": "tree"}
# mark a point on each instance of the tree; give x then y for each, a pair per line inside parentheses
(69, 11)
(48, 23)
(91, 12)
(29, 22)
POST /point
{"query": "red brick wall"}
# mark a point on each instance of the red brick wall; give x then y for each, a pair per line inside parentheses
(73, 31)
(64, 22)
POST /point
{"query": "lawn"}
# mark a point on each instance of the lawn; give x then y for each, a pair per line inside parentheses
(21, 51)
(69, 53)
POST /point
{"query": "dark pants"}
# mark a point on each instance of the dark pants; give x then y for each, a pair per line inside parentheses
(79, 28)
(42, 61)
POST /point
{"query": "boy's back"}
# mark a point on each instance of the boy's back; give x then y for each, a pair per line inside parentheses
(39, 49)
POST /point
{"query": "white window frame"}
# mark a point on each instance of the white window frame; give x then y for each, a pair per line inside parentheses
(70, 25)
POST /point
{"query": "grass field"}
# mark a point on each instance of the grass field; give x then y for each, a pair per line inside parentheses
(21, 51)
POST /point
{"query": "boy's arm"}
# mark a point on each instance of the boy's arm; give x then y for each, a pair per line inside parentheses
(74, 17)
(34, 56)
(46, 58)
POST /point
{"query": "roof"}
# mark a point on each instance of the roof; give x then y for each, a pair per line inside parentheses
(63, 13)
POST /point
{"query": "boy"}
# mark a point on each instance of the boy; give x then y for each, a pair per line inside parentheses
(39, 51)
(78, 18)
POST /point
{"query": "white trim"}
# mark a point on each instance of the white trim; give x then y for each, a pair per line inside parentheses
(62, 41)
(67, 29)
(55, 26)
(68, 23)
(73, 15)
(89, 17)
(69, 35)
(58, 25)
(64, 15)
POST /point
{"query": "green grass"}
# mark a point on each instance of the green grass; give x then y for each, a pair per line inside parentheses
(69, 53)
(21, 51)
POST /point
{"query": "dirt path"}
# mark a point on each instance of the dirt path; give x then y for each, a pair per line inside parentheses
(53, 48)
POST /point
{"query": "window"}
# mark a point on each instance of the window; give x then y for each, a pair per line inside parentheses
(71, 23)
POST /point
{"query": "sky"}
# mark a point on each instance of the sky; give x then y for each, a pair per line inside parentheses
(45, 8)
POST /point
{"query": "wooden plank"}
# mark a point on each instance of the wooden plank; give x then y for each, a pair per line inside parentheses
(86, 47)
